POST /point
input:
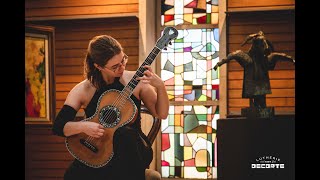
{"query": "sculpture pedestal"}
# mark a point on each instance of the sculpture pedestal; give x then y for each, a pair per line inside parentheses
(255, 149)
(252, 112)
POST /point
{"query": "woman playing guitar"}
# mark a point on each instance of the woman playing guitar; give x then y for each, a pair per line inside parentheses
(104, 68)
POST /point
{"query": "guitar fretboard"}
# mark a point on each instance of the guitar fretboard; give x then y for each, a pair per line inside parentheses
(128, 89)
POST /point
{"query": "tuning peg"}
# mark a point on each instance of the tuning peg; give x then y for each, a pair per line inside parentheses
(170, 43)
(165, 48)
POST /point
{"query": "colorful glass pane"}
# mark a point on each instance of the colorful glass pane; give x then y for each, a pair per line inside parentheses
(188, 143)
(187, 66)
(188, 134)
(189, 12)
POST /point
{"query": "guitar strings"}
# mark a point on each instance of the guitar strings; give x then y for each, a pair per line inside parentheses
(140, 70)
(119, 102)
(125, 93)
(132, 85)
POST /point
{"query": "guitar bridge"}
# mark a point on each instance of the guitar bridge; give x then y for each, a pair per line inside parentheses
(89, 145)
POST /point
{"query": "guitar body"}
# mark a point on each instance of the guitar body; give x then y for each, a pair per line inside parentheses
(113, 111)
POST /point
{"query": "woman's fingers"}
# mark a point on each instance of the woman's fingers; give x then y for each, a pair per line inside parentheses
(147, 73)
(98, 134)
(148, 68)
(144, 79)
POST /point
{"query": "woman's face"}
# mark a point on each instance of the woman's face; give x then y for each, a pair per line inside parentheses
(116, 65)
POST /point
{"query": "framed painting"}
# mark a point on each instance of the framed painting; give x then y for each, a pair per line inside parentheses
(39, 74)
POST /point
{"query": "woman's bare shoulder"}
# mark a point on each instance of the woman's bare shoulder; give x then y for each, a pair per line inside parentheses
(82, 89)
(127, 76)
(80, 94)
(84, 85)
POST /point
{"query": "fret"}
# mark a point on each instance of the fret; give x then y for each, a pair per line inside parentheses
(128, 90)
(169, 34)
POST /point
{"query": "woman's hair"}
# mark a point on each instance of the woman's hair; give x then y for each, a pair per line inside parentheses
(100, 50)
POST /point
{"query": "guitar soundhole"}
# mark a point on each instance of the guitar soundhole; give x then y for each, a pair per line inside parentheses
(109, 116)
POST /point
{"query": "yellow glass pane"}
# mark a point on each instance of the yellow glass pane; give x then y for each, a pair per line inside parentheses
(187, 153)
(201, 158)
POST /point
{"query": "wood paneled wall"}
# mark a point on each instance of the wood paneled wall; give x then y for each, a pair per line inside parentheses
(69, 9)
(279, 28)
(46, 154)
(72, 38)
(259, 3)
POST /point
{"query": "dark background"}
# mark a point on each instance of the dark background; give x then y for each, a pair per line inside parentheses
(242, 141)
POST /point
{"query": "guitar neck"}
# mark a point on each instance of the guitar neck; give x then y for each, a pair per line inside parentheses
(128, 89)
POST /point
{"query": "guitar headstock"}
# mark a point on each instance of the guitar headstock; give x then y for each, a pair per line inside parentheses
(169, 34)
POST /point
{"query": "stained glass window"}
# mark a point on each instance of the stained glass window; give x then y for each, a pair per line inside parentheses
(175, 12)
(188, 134)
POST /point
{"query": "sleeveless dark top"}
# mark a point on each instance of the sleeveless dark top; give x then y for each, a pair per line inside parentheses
(78, 167)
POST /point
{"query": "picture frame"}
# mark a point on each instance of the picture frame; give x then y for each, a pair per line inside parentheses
(39, 74)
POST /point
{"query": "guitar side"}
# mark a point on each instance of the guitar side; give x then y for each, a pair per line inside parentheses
(97, 152)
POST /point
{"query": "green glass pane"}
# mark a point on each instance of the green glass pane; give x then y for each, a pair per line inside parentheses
(202, 169)
(208, 18)
(202, 117)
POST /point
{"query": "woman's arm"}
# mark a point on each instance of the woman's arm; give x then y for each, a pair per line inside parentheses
(153, 94)
(64, 124)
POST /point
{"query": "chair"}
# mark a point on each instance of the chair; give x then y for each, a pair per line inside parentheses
(152, 134)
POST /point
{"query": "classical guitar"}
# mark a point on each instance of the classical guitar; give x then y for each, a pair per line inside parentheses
(114, 109)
